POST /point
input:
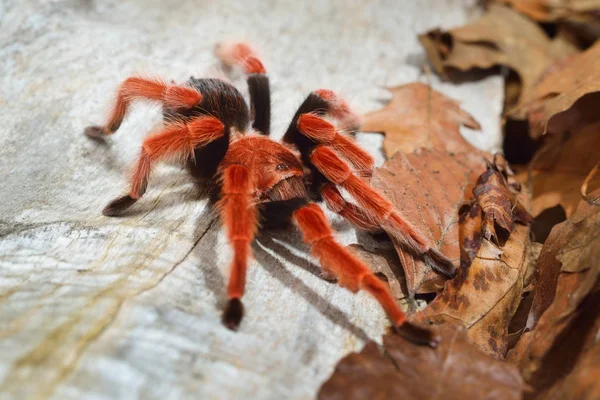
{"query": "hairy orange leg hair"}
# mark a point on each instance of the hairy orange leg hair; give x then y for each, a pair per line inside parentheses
(339, 109)
(381, 210)
(170, 96)
(354, 214)
(323, 132)
(239, 216)
(174, 141)
(352, 272)
(240, 54)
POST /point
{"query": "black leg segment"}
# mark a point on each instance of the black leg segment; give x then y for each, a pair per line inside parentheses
(260, 102)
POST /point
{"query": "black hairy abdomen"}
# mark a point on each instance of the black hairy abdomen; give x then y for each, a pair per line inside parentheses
(223, 101)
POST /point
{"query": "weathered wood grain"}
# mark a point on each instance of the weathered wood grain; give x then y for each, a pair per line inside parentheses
(99, 308)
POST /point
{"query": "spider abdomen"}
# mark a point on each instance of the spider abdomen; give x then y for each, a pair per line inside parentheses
(223, 101)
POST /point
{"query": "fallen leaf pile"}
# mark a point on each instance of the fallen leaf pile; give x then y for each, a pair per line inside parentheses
(521, 318)
(582, 12)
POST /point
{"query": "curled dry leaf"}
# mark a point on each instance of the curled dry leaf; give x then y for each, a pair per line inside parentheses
(455, 370)
(469, 233)
(556, 10)
(564, 105)
(561, 166)
(567, 96)
(501, 37)
(582, 228)
(429, 187)
(485, 295)
(420, 117)
(386, 266)
(566, 333)
(498, 202)
(582, 383)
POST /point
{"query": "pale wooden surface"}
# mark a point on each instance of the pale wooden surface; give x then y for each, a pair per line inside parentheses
(99, 308)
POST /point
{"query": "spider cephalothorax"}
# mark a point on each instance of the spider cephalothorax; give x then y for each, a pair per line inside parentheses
(207, 127)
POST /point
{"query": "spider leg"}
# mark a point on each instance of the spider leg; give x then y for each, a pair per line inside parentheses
(351, 212)
(242, 55)
(177, 140)
(308, 129)
(352, 272)
(169, 95)
(377, 207)
(240, 219)
(325, 102)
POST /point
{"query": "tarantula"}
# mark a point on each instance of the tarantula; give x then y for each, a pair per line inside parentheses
(260, 180)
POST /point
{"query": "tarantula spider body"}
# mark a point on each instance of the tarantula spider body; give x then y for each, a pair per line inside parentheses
(206, 126)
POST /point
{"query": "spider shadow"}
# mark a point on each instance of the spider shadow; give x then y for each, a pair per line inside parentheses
(206, 238)
(177, 188)
(103, 154)
(376, 243)
(280, 272)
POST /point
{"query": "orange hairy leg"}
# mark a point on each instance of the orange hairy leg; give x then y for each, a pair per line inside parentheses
(240, 219)
(174, 141)
(170, 96)
(381, 210)
(242, 55)
(354, 214)
(339, 109)
(323, 132)
(353, 273)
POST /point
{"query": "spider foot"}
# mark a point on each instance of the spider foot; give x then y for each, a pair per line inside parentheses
(418, 335)
(234, 312)
(439, 262)
(95, 131)
(118, 205)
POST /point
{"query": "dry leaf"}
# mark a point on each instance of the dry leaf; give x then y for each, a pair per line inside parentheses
(559, 169)
(485, 295)
(385, 264)
(583, 226)
(418, 116)
(568, 328)
(564, 104)
(469, 233)
(582, 383)
(556, 10)
(429, 187)
(500, 37)
(556, 103)
(498, 202)
(455, 370)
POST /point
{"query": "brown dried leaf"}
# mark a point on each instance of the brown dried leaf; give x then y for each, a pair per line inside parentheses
(469, 233)
(500, 37)
(485, 295)
(556, 104)
(498, 202)
(582, 227)
(582, 383)
(429, 187)
(385, 265)
(556, 10)
(568, 327)
(418, 116)
(455, 370)
(561, 166)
